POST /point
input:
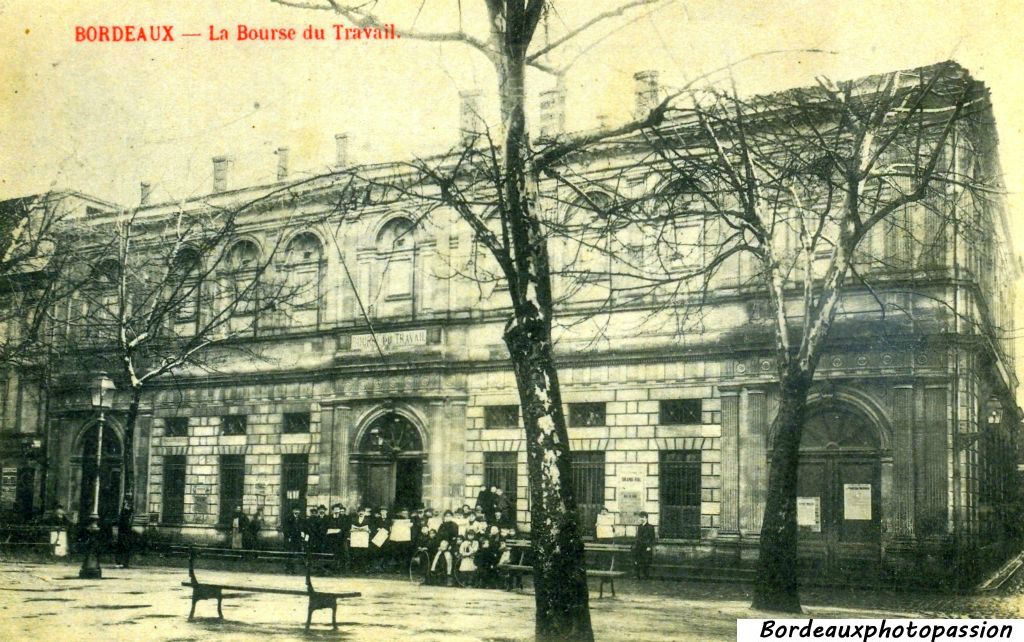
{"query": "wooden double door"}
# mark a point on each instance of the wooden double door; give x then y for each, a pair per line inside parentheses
(838, 506)
(838, 492)
(395, 484)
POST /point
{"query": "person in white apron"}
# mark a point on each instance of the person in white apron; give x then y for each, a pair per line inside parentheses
(59, 532)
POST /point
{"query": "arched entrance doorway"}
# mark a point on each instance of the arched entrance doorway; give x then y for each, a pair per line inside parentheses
(838, 493)
(390, 463)
(110, 474)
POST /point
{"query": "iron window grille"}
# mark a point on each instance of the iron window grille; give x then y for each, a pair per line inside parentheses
(679, 412)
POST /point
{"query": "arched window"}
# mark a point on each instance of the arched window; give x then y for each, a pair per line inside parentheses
(184, 286)
(586, 254)
(390, 434)
(101, 302)
(240, 287)
(304, 267)
(395, 282)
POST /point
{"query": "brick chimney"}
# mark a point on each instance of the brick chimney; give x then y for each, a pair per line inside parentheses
(646, 96)
(145, 191)
(552, 113)
(340, 151)
(282, 163)
(221, 165)
(470, 122)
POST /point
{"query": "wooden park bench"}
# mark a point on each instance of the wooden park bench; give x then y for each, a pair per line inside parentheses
(316, 599)
(519, 565)
(609, 574)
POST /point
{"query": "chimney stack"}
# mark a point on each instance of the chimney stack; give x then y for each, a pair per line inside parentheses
(221, 165)
(646, 83)
(552, 113)
(340, 151)
(145, 191)
(470, 123)
(282, 163)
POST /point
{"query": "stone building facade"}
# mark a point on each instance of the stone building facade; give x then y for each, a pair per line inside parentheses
(391, 386)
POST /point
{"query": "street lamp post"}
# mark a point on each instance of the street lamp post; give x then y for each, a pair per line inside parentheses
(102, 398)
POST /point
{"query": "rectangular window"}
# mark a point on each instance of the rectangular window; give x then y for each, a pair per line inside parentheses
(173, 503)
(501, 470)
(176, 427)
(294, 472)
(296, 422)
(233, 424)
(679, 412)
(587, 414)
(588, 484)
(232, 485)
(679, 490)
(501, 416)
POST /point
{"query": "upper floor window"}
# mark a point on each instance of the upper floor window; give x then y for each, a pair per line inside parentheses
(296, 422)
(679, 411)
(184, 286)
(501, 416)
(591, 413)
(241, 287)
(233, 424)
(176, 427)
(396, 251)
(304, 268)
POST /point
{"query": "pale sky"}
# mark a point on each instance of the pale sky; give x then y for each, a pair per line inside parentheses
(100, 118)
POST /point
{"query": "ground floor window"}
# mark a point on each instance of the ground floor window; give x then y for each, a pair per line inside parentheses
(588, 485)
(679, 483)
(501, 470)
(294, 472)
(232, 485)
(173, 503)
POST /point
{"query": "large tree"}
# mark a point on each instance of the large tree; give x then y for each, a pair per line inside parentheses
(512, 231)
(794, 192)
(174, 289)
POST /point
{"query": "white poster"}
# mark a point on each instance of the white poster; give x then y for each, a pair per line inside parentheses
(359, 537)
(808, 513)
(857, 501)
(401, 530)
(630, 490)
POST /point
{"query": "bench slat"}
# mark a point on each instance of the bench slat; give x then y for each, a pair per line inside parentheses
(262, 589)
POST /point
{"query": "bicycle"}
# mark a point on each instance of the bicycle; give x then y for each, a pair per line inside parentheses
(419, 565)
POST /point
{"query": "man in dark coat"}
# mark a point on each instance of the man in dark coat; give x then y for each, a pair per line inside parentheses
(643, 548)
(293, 527)
(485, 502)
(336, 536)
(504, 506)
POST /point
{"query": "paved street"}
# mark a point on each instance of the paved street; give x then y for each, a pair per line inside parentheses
(48, 601)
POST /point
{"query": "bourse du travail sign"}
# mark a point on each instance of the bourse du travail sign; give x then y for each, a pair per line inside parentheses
(389, 340)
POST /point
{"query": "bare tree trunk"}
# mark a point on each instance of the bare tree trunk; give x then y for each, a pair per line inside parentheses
(559, 575)
(777, 585)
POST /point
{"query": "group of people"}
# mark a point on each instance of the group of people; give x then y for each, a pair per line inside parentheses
(245, 529)
(465, 540)
(469, 541)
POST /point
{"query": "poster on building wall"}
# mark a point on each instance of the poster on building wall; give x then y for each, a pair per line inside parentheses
(808, 514)
(857, 501)
(629, 489)
(8, 488)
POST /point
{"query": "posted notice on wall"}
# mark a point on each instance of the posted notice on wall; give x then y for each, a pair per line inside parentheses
(857, 501)
(808, 514)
